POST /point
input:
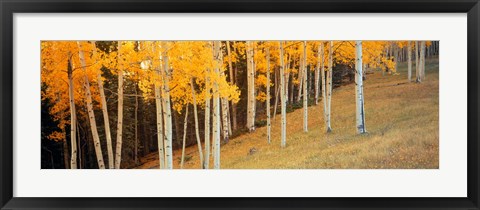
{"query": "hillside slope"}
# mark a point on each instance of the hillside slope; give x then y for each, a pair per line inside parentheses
(402, 120)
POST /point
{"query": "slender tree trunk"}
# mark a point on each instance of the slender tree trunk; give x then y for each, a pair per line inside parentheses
(207, 120)
(422, 61)
(300, 79)
(330, 86)
(224, 101)
(91, 114)
(158, 111)
(106, 121)
(324, 85)
(73, 115)
(317, 73)
(395, 54)
(167, 110)
(305, 86)
(409, 53)
(360, 113)
(268, 97)
(277, 91)
(283, 99)
(232, 82)
(417, 64)
(136, 126)
(184, 136)
(216, 107)
(251, 89)
(118, 150)
(197, 133)
(287, 70)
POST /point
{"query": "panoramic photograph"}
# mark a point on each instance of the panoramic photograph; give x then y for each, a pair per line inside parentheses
(240, 104)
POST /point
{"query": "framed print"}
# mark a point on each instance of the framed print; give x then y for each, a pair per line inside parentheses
(239, 105)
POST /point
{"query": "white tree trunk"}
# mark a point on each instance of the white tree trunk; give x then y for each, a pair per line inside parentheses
(73, 115)
(417, 64)
(216, 107)
(118, 149)
(91, 114)
(317, 72)
(232, 82)
(300, 79)
(167, 110)
(197, 132)
(105, 119)
(409, 53)
(158, 111)
(359, 99)
(184, 136)
(422, 61)
(207, 120)
(224, 101)
(267, 101)
(283, 99)
(324, 84)
(305, 93)
(251, 89)
(330, 86)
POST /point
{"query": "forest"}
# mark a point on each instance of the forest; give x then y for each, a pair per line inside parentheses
(230, 104)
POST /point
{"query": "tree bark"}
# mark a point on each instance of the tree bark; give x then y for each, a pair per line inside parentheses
(118, 150)
(91, 114)
(267, 101)
(251, 89)
(184, 136)
(422, 61)
(232, 82)
(360, 112)
(409, 53)
(73, 115)
(283, 101)
(158, 111)
(197, 133)
(305, 86)
(330, 86)
(317, 72)
(207, 120)
(216, 107)
(167, 110)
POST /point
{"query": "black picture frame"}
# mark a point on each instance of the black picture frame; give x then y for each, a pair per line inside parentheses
(10, 7)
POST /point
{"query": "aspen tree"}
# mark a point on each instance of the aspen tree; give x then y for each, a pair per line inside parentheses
(105, 117)
(282, 99)
(329, 88)
(197, 133)
(268, 96)
(251, 88)
(359, 97)
(118, 150)
(422, 61)
(91, 114)
(207, 120)
(224, 103)
(185, 123)
(305, 93)
(159, 112)
(317, 72)
(73, 115)
(167, 110)
(409, 52)
(216, 107)
(417, 64)
(324, 84)
(232, 82)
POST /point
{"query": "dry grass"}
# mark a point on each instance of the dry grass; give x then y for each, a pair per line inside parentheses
(401, 120)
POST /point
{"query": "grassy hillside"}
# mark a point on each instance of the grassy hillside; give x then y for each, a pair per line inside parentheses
(401, 120)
